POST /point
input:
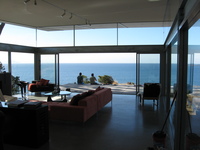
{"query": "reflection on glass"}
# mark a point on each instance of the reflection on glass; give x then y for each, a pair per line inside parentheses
(174, 66)
(193, 97)
(149, 69)
(48, 67)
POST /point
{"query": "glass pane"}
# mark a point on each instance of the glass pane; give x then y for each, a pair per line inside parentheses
(4, 60)
(141, 36)
(190, 73)
(173, 83)
(120, 66)
(48, 67)
(174, 66)
(99, 36)
(18, 35)
(149, 68)
(193, 97)
(54, 38)
(23, 66)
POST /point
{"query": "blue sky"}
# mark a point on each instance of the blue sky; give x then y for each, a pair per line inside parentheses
(126, 36)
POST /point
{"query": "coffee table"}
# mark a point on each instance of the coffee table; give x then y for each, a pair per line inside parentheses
(63, 95)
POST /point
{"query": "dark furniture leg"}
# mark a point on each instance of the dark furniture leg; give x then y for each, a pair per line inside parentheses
(2, 121)
(49, 98)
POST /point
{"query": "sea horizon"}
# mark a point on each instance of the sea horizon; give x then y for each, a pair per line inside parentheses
(121, 72)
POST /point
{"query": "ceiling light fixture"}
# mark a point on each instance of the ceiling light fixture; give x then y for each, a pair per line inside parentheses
(64, 13)
(71, 16)
(26, 1)
(58, 7)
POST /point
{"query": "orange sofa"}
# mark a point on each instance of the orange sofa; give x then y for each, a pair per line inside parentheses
(85, 108)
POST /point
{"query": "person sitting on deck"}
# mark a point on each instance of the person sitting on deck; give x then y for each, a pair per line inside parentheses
(80, 78)
(93, 79)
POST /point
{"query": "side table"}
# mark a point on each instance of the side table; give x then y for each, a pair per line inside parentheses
(26, 127)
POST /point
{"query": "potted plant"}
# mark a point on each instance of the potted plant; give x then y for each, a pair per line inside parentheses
(2, 68)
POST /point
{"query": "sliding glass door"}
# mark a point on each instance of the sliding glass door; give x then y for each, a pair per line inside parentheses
(50, 68)
(147, 70)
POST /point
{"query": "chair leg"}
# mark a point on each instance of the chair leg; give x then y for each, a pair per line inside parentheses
(156, 102)
(140, 96)
(142, 101)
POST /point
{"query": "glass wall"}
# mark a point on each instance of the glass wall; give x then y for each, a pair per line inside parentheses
(4, 60)
(18, 35)
(85, 35)
(48, 67)
(55, 38)
(173, 88)
(96, 36)
(121, 66)
(193, 101)
(148, 69)
(23, 66)
(142, 36)
(174, 67)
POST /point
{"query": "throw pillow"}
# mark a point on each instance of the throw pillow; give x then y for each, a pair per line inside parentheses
(90, 92)
(75, 99)
(83, 95)
(44, 82)
(38, 83)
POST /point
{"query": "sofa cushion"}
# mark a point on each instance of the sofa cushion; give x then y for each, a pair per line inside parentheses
(75, 99)
(84, 94)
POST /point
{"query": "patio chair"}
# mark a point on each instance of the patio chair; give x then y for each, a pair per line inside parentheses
(151, 92)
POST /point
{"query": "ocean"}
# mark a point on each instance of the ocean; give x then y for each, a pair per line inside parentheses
(121, 72)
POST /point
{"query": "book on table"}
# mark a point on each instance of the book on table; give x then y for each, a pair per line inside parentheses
(32, 105)
(16, 104)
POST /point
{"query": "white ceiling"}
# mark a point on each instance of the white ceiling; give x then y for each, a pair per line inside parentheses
(87, 13)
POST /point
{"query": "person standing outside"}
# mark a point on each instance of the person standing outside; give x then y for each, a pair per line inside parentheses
(80, 78)
(93, 79)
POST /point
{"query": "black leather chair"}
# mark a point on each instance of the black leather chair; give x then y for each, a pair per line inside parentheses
(151, 92)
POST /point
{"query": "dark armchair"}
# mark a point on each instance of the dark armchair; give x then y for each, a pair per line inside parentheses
(151, 92)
